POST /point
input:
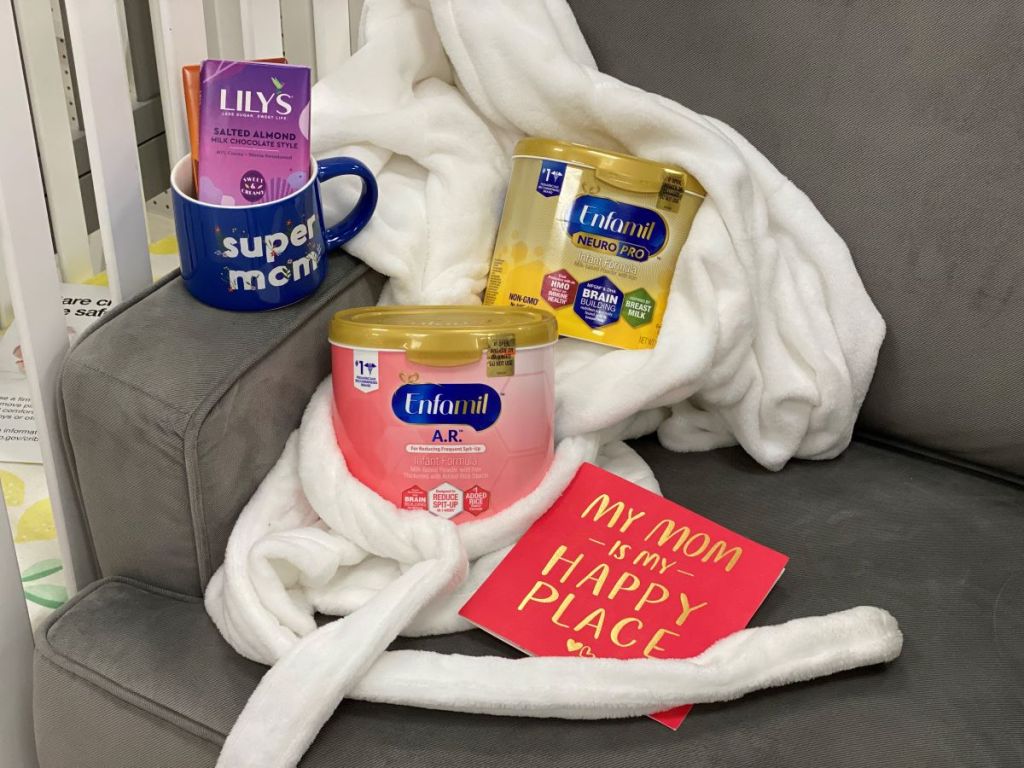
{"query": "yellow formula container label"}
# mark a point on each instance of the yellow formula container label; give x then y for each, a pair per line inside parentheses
(593, 236)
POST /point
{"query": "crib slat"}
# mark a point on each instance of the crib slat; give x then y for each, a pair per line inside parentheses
(298, 34)
(355, 13)
(35, 292)
(6, 310)
(16, 661)
(53, 133)
(332, 25)
(224, 29)
(261, 29)
(179, 36)
(110, 136)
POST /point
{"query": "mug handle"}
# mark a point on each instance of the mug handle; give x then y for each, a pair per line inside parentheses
(357, 218)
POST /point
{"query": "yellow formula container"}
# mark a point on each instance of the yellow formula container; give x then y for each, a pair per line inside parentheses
(593, 236)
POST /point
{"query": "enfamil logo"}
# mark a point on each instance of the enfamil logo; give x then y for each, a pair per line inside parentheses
(618, 229)
(475, 405)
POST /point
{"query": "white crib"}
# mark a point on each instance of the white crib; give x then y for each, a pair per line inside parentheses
(43, 232)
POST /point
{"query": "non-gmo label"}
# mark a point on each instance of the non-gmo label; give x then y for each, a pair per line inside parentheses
(549, 180)
(598, 302)
(365, 370)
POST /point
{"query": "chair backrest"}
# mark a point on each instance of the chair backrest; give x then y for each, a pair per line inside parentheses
(902, 121)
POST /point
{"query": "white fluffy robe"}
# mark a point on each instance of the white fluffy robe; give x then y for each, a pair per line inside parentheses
(769, 340)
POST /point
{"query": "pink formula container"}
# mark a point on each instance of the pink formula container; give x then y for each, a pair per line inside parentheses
(445, 409)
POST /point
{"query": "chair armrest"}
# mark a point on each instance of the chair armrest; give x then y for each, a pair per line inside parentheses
(174, 411)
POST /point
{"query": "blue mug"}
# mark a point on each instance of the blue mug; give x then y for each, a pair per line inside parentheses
(249, 258)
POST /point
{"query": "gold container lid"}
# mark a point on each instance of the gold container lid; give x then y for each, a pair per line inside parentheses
(442, 335)
(620, 170)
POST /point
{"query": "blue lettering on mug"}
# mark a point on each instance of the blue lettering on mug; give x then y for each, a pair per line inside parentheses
(475, 405)
(628, 231)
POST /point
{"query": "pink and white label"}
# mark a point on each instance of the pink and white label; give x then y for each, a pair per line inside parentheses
(453, 441)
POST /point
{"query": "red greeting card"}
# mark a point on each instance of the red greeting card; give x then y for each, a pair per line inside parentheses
(613, 570)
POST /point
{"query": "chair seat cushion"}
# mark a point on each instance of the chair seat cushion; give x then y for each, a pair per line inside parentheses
(130, 675)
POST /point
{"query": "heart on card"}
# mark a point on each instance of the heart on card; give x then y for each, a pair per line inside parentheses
(575, 646)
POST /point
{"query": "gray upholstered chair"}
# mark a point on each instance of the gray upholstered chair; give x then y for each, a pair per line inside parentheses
(903, 121)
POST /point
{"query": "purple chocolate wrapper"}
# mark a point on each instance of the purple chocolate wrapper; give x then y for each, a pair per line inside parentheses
(253, 131)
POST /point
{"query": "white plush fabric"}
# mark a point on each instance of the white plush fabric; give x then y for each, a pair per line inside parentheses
(769, 340)
(314, 539)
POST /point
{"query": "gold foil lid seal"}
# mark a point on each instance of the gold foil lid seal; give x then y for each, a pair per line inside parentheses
(444, 335)
(628, 172)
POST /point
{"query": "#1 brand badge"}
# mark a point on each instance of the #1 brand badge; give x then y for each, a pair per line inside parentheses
(549, 180)
(365, 370)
